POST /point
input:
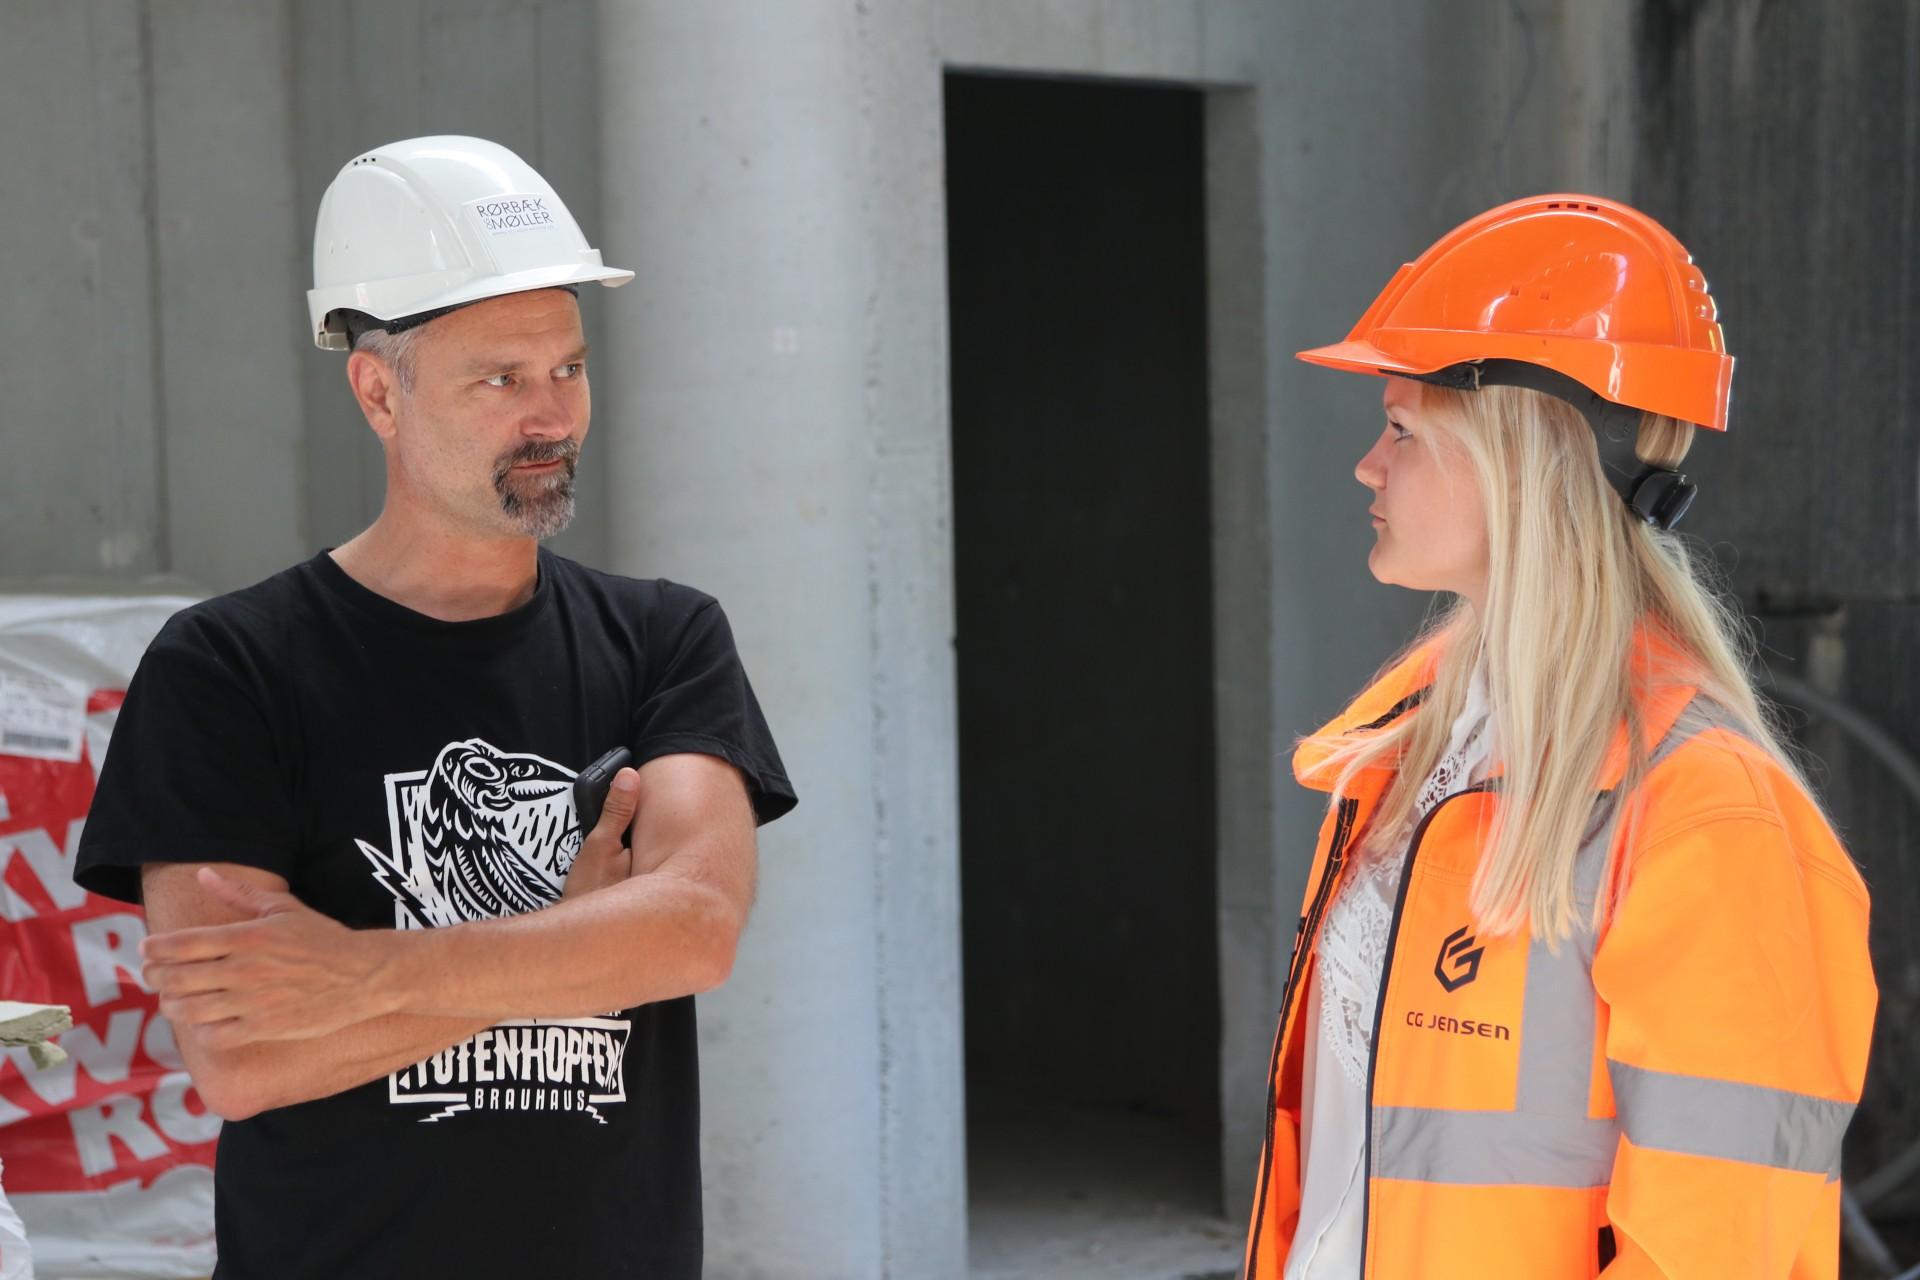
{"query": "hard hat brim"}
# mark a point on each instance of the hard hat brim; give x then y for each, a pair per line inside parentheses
(391, 300)
(1692, 386)
(521, 282)
(1359, 357)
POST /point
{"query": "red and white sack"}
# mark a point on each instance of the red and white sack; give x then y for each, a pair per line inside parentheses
(109, 1154)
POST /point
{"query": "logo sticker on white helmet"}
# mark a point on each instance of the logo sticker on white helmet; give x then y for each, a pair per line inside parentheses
(506, 215)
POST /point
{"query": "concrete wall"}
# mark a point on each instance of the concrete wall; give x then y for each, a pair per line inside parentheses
(150, 199)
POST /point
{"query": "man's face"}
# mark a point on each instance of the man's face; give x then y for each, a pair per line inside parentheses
(490, 434)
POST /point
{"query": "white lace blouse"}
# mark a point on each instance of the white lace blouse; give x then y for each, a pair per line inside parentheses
(1352, 951)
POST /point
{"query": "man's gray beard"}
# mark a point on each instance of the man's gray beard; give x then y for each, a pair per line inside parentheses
(545, 511)
(545, 507)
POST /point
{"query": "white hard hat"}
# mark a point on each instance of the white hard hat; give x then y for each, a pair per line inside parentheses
(431, 223)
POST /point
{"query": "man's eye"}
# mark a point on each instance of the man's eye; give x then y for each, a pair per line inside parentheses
(501, 380)
(573, 370)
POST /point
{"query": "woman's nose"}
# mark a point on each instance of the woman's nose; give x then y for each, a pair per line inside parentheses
(1371, 470)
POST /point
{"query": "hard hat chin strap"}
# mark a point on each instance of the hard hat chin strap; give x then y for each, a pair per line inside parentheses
(359, 322)
(1658, 495)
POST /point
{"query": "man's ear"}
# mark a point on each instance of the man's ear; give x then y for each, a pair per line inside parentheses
(376, 388)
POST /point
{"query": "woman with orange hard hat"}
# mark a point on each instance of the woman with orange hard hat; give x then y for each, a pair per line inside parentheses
(1581, 985)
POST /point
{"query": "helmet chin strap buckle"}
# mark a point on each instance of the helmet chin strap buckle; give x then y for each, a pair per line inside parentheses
(1661, 497)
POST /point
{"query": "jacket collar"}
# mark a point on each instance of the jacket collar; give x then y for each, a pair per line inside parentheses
(1663, 693)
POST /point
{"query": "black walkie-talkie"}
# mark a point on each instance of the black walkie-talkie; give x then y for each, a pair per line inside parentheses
(590, 787)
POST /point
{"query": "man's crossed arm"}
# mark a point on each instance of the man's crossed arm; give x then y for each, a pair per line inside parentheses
(274, 1003)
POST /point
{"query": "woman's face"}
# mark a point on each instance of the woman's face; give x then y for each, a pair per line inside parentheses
(1430, 529)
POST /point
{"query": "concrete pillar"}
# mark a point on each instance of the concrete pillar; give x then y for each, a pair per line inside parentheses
(772, 440)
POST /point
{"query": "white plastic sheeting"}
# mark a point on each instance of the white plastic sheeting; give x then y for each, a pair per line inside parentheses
(108, 1155)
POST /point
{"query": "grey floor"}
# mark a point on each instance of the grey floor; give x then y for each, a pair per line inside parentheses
(1067, 1193)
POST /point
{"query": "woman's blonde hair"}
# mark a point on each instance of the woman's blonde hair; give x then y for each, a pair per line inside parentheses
(1573, 575)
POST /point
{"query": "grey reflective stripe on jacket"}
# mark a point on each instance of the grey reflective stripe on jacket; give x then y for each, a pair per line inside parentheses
(1493, 1148)
(1728, 1120)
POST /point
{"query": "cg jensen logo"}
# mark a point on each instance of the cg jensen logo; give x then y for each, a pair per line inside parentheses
(1459, 960)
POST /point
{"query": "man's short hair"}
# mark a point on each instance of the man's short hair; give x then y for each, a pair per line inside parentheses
(394, 348)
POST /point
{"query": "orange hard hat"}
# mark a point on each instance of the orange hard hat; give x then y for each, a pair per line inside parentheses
(1587, 287)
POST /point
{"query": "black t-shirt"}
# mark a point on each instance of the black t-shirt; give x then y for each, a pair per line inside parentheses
(400, 771)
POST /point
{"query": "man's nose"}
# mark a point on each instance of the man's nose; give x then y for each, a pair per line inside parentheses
(551, 415)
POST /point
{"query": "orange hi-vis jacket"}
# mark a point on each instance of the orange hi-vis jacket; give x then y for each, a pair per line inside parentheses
(1663, 1097)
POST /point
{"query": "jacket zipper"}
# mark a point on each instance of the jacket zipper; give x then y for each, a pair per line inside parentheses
(1308, 926)
(1380, 1009)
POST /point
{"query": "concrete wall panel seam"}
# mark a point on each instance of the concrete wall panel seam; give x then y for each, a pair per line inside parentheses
(162, 524)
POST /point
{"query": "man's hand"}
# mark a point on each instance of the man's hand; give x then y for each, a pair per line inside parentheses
(284, 973)
(604, 857)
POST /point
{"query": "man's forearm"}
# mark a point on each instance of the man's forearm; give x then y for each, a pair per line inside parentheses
(240, 1082)
(653, 937)
(277, 970)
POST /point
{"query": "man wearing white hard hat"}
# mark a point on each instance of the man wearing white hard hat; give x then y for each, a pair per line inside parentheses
(446, 1013)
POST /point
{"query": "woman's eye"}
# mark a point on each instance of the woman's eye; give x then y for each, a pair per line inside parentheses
(1399, 432)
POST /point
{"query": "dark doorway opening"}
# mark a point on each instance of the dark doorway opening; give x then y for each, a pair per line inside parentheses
(1077, 279)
